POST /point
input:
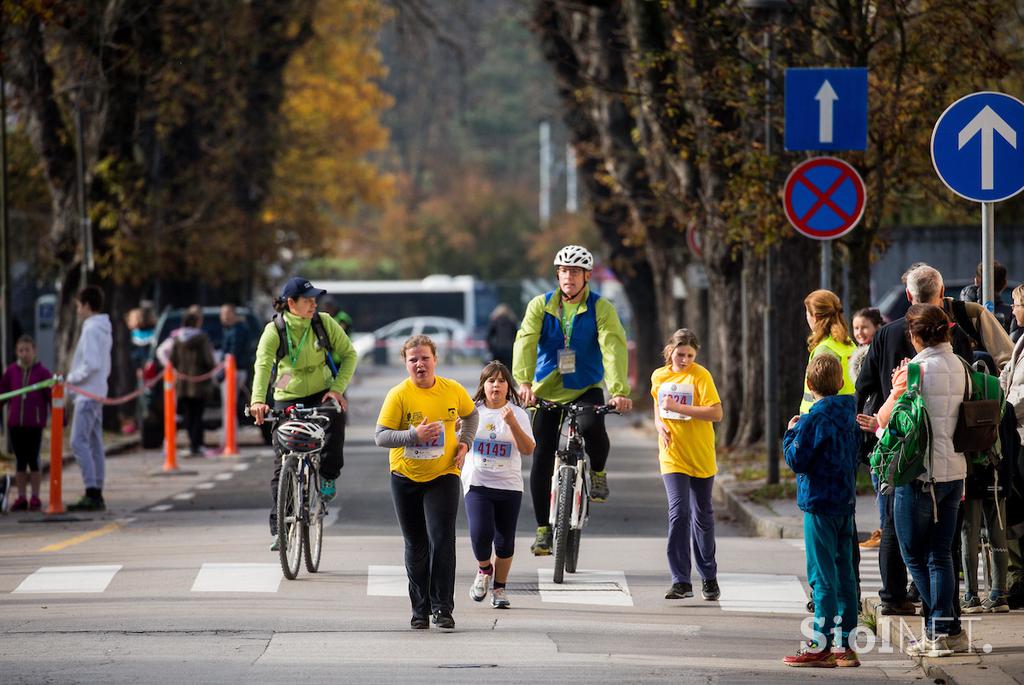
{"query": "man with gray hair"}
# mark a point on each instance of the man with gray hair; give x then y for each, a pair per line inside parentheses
(890, 346)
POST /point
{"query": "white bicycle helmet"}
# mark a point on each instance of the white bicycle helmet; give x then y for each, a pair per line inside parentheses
(575, 255)
(300, 437)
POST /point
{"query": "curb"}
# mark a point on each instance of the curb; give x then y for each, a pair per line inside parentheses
(756, 518)
(961, 669)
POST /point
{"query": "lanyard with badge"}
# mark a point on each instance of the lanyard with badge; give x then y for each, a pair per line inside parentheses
(293, 356)
(567, 355)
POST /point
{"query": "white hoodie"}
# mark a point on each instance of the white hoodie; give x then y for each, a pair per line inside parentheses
(90, 365)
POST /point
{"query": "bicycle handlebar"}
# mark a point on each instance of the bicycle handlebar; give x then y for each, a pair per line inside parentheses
(297, 411)
(577, 409)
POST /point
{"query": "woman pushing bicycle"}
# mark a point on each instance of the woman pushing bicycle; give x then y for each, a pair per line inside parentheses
(315, 361)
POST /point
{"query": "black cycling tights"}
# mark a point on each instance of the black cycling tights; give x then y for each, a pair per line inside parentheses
(546, 425)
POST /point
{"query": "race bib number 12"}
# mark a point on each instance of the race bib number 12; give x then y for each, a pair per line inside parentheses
(431, 449)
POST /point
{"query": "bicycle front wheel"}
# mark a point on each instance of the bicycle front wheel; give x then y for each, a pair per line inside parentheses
(563, 514)
(289, 496)
(313, 526)
(572, 551)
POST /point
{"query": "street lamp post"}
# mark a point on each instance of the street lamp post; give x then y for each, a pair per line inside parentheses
(771, 371)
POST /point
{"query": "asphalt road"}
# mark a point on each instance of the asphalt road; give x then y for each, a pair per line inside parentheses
(175, 583)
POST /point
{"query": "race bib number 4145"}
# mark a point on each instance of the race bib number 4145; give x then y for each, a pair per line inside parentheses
(492, 455)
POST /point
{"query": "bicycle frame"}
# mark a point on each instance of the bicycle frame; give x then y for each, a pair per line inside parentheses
(572, 460)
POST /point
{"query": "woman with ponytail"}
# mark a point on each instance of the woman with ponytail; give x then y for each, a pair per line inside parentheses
(829, 335)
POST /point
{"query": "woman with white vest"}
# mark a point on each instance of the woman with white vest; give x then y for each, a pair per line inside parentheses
(925, 510)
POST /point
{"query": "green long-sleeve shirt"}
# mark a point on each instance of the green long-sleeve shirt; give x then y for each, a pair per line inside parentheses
(309, 373)
(611, 338)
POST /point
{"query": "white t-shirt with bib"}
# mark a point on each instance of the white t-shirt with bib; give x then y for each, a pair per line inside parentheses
(494, 461)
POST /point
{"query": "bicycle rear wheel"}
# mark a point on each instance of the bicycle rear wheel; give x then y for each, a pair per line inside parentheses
(563, 513)
(313, 526)
(289, 519)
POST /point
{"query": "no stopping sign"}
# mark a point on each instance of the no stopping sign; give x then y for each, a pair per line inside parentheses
(824, 198)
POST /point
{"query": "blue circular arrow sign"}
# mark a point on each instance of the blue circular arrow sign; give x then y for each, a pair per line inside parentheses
(978, 147)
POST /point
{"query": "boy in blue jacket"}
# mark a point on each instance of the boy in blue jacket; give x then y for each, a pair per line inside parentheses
(821, 448)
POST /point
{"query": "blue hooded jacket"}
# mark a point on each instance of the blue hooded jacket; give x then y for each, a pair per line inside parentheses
(822, 451)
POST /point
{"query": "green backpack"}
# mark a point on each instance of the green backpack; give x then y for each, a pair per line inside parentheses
(904, 451)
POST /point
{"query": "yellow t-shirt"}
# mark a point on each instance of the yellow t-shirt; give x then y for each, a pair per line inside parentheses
(406, 406)
(692, 450)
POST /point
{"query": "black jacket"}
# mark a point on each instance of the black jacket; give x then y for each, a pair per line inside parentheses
(890, 346)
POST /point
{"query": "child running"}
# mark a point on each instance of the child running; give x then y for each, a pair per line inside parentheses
(686, 404)
(26, 417)
(492, 479)
(821, 448)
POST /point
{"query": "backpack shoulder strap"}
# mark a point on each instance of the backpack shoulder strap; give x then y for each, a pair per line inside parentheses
(963, 320)
(282, 336)
(914, 377)
(321, 333)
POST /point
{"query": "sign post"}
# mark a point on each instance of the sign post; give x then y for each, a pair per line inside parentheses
(976, 153)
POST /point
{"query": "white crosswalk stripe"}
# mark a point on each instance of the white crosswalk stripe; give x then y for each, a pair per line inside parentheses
(608, 588)
(238, 578)
(69, 579)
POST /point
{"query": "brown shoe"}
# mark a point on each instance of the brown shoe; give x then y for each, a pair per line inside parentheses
(873, 541)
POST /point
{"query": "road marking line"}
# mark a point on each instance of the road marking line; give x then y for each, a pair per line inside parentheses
(237, 578)
(585, 587)
(762, 592)
(241, 467)
(184, 496)
(69, 579)
(386, 581)
(224, 476)
(84, 537)
(162, 507)
(206, 486)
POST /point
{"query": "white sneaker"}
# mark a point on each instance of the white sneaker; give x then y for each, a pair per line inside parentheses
(930, 647)
(480, 585)
(499, 600)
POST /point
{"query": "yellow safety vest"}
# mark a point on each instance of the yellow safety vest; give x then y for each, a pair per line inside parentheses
(843, 353)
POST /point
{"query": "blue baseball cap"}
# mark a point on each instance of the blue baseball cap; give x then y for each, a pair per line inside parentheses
(297, 287)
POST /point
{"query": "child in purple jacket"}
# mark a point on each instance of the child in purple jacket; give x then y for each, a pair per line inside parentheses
(26, 417)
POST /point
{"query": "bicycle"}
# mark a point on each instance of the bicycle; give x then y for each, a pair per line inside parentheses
(299, 439)
(570, 488)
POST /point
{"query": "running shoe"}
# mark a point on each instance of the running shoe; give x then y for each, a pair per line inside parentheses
(20, 504)
(327, 489)
(873, 541)
(419, 623)
(995, 606)
(709, 589)
(598, 486)
(847, 658)
(811, 656)
(499, 599)
(970, 604)
(5, 491)
(444, 621)
(541, 546)
(959, 643)
(480, 585)
(34, 504)
(679, 591)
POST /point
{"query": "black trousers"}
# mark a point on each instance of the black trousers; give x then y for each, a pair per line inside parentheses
(331, 459)
(26, 441)
(192, 411)
(890, 561)
(426, 514)
(546, 431)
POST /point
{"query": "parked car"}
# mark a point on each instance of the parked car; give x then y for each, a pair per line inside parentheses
(894, 303)
(385, 343)
(153, 399)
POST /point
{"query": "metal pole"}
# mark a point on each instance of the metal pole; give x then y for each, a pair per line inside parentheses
(826, 265)
(988, 240)
(771, 377)
(571, 191)
(5, 247)
(86, 233)
(545, 173)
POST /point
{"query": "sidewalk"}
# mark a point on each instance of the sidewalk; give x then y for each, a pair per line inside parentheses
(997, 638)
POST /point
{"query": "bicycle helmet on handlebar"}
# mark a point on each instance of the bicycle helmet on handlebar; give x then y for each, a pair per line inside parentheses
(575, 255)
(300, 437)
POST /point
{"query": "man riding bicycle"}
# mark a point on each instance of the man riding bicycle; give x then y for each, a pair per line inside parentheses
(571, 340)
(315, 361)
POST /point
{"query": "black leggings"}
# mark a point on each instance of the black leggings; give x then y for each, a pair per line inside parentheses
(331, 459)
(492, 515)
(25, 441)
(546, 432)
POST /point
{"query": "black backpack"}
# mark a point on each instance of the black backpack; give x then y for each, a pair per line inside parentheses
(321, 338)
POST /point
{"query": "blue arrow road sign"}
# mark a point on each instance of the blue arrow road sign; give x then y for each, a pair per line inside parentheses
(978, 147)
(827, 109)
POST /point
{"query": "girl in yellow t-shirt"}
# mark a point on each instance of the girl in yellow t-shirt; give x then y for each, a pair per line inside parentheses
(686, 403)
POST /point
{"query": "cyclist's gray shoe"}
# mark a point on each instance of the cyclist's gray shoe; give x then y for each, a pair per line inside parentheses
(444, 621)
(275, 545)
(499, 600)
(598, 486)
(541, 546)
